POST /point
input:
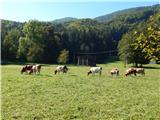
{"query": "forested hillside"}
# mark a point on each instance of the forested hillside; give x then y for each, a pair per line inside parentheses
(63, 20)
(37, 41)
(132, 11)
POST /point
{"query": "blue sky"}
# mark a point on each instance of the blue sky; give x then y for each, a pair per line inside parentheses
(48, 11)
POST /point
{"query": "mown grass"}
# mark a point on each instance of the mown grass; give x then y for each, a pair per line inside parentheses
(77, 96)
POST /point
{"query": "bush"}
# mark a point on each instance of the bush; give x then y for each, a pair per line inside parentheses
(63, 56)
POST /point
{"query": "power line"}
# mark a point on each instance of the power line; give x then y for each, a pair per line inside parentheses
(102, 52)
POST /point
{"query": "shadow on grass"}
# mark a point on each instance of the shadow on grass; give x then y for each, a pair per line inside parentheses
(149, 67)
(44, 75)
(72, 75)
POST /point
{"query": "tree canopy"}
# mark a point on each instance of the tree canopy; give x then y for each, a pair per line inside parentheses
(149, 40)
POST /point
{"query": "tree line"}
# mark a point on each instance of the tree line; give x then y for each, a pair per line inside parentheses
(135, 35)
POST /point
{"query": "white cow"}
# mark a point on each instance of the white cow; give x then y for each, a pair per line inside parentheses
(94, 70)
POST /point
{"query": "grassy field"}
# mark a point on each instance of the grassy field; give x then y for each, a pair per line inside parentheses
(80, 97)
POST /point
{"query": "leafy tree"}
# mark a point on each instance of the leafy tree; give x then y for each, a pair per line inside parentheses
(149, 41)
(22, 49)
(127, 53)
(35, 53)
(10, 44)
(31, 44)
(52, 44)
(125, 49)
(63, 56)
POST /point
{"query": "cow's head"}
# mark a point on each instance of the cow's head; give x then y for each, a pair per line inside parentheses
(23, 70)
(65, 69)
(89, 72)
(55, 72)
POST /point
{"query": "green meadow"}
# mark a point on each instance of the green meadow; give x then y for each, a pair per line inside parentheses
(80, 97)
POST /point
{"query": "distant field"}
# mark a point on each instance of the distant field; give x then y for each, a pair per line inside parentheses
(80, 97)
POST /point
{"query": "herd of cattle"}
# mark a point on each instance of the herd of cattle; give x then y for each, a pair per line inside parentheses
(33, 69)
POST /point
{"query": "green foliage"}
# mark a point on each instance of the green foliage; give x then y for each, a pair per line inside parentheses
(142, 43)
(64, 20)
(131, 14)
(31, 46)
(63, 57)
(10, 44)
(22, 48)
(35, 53)
(33, 31)
(149, 40)
(53, 43)
(126, 50)
(89, 36)
(6, 28)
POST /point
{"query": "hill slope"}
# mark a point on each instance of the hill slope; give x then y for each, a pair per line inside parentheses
(63, 20)
(111, 16)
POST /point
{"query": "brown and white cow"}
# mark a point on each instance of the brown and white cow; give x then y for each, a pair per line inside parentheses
(140, 71)
(130, 71)
(26, 68)
(31, 69)
(35, 69)
(62, 68)
(114, 71)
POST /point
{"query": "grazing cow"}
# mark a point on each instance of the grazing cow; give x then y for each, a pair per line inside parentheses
(130, 71)
(140, 71)
(94, 70)
(114, 71)
(35, 69)
(26, 68)
(62, 69)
